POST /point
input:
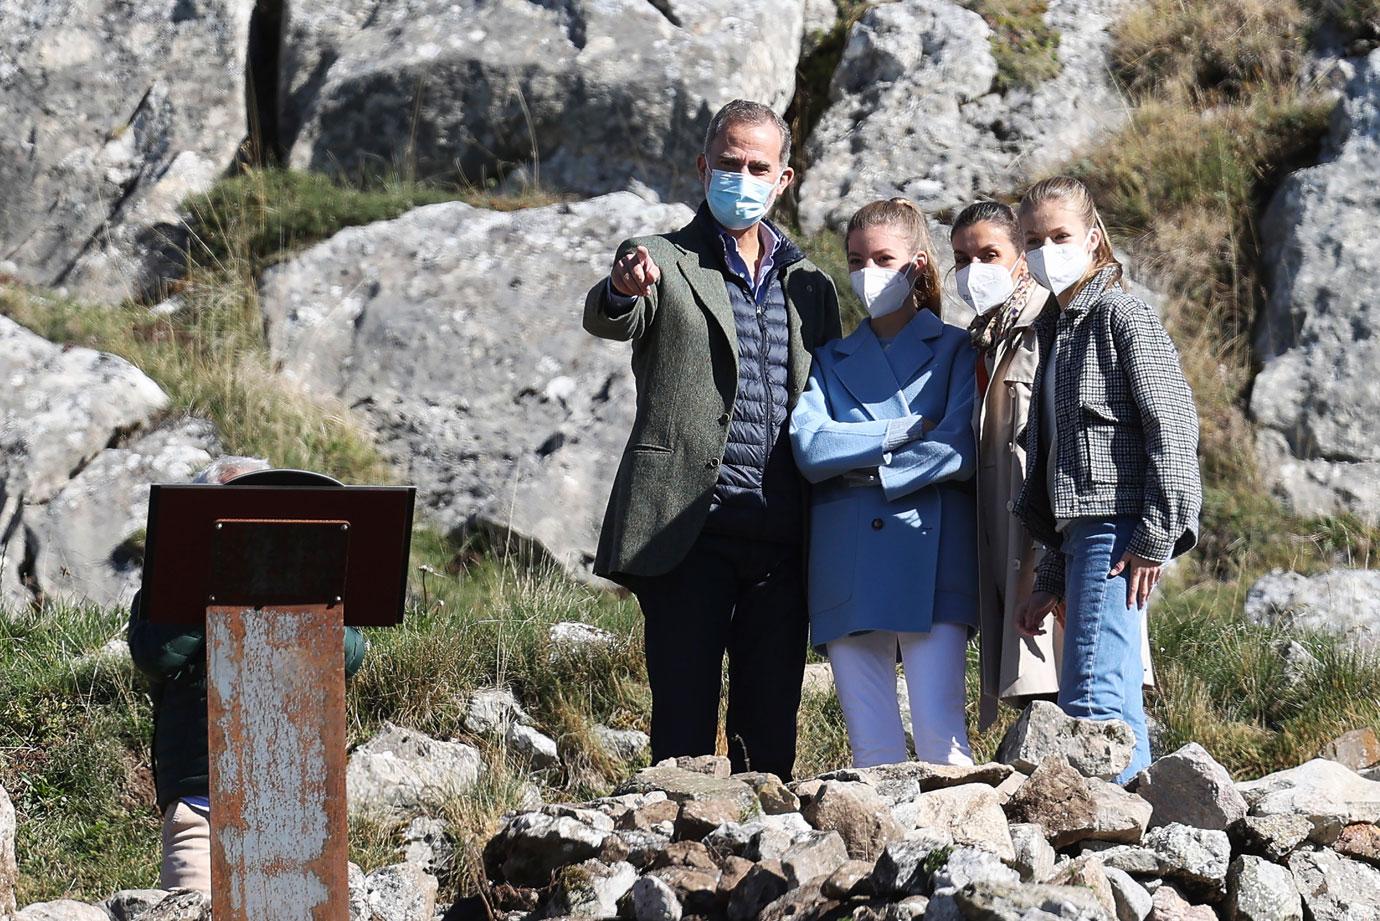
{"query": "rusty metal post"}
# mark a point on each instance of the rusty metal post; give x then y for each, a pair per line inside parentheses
(276, 694)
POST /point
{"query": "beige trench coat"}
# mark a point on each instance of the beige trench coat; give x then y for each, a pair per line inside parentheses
(1012, 667)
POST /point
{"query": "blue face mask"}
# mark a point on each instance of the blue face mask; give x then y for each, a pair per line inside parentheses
(738, 200)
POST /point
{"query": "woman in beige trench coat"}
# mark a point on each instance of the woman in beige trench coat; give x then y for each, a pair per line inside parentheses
(992, 278)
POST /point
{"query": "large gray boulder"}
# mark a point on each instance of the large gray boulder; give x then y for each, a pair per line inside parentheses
(79, 540)
(114, 111)
(1319, 336)
(59, 410)
(1345, 602)
(455, 333)
(912, 109)
(596, 92)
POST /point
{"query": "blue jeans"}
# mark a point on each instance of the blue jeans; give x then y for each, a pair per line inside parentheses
(1101, 674)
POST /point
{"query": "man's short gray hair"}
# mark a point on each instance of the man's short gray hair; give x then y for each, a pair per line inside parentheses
(227, 467)
(747, 112)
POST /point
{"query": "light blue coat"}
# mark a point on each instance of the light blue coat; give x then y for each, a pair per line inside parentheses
(902, 554)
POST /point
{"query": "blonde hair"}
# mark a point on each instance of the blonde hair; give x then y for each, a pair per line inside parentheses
(905, 216)
(1075, 194)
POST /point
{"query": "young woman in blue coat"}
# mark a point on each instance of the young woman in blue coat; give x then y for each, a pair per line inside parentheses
(884, 431)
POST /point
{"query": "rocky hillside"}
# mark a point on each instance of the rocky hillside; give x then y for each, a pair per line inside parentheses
(354, 237)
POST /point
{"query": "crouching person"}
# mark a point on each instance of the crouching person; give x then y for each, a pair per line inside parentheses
(174, 659)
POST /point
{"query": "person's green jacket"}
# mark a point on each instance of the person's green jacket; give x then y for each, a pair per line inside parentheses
(174, 659)
(685, 362)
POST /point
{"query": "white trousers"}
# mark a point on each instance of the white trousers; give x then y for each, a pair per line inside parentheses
(865, 675)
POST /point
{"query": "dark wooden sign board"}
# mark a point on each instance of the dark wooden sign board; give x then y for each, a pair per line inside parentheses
(206, 545)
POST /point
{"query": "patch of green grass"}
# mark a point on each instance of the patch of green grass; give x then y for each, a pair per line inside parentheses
(247, 222)
(73, 737)
(1226, 684)
(1025, 47)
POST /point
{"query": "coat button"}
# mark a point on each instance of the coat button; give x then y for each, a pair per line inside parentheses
(1011, 447)
(876, 524)
(1010, 505)
(1015, 564)
(723, 419)
(711, 463)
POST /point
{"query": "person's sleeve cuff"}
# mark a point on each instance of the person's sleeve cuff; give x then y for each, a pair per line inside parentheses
(1148, 545)
(619, 304)
(902, 431)
(1049, 576)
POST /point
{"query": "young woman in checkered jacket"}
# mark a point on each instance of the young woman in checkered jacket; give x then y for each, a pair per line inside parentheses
(1112, 485)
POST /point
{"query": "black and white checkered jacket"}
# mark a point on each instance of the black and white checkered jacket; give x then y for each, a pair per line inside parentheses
(1128, 429)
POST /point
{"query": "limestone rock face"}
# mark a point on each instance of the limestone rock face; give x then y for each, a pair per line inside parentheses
(115, 110)
(78, 539)
(1341, 601)
(1319, 337)
(68, 499)
(455, 333)
(912, 110)
(596, 92)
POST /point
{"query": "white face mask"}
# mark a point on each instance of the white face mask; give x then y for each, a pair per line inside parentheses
(1059, 266)
(882, 291)
(984, 284)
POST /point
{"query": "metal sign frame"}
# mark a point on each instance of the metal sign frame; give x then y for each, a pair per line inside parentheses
(180, 558)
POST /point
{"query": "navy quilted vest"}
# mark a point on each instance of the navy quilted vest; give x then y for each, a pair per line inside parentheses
(759, 492)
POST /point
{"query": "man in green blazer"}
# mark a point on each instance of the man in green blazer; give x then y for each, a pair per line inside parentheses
(706, 522)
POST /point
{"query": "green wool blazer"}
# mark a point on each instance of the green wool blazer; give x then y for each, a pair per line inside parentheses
(685, 363)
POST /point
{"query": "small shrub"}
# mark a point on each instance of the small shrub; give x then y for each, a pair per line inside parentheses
(1025, 47)
(1198, 52)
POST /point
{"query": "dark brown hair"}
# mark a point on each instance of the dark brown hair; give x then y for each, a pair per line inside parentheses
(991, 212)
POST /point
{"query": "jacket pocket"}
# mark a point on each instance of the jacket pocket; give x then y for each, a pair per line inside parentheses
(648, 448)
(833, 553)
(1113, 446)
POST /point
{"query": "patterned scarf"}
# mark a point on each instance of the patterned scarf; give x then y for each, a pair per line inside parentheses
(987, 329)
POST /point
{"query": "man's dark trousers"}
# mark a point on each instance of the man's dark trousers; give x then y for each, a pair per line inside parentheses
(746, 598)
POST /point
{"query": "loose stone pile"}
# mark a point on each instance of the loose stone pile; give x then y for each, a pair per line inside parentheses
(1043, 836)
(1039, 834)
